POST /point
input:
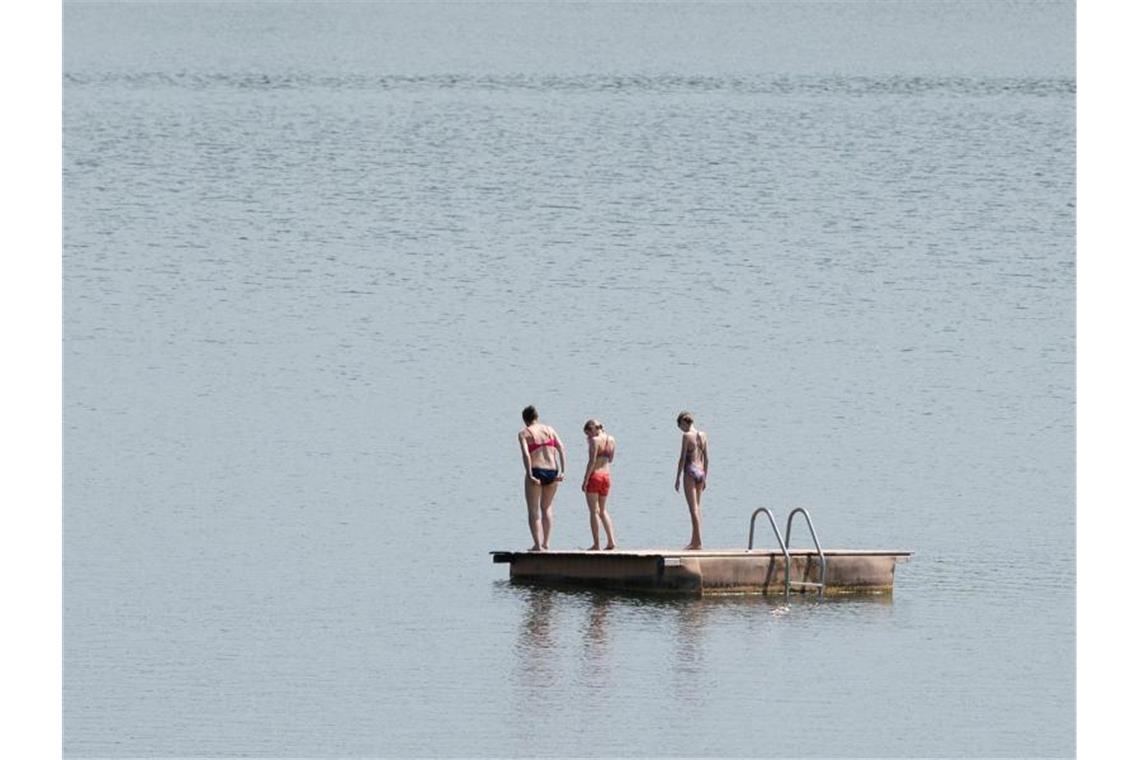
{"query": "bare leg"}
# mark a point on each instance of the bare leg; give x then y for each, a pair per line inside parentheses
(547, 506)
(533, 493)
(592, 504)
(693, 496)
(606, 522)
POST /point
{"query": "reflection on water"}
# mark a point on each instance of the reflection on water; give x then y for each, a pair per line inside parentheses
(595, 666)
(688, 641)
(595, 633)
(537, 641)
(568, 632)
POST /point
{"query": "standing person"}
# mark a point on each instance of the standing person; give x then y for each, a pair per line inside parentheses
(543, 474)
(596, 481)
(693, 465)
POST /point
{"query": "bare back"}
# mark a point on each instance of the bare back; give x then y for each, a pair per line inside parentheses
(540, 441)
(604, 447)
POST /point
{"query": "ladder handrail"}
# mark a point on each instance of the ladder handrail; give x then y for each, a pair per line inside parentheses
(779, 540)
(771, 521)
(818, 548)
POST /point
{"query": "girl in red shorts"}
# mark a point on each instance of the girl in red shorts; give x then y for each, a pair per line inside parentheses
(596, 482)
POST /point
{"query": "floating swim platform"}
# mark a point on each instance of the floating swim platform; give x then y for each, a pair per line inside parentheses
(712, 571)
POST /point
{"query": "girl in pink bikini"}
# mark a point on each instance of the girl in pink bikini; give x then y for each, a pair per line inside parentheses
(693, 465)
(596, 481)
(544, 472)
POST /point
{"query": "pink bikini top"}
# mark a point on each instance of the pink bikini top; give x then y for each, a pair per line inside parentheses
(532, 447)
(608, 453)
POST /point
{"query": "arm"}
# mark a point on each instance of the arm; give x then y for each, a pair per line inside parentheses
(680, 466)
(526, 458)
(705, 449)
(593, 458)
(561, 454)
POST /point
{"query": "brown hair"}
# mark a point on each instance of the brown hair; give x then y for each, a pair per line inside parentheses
(596, 423)
(685, 416)
(530, 414)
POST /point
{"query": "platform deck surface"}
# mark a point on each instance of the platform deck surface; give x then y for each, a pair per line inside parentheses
(710, 571)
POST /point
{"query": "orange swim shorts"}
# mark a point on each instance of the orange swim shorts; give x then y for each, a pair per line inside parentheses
(598, 483)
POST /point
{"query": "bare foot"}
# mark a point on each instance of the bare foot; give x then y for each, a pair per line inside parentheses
(535, 548)
(611, 547)
(692, 548)
(593, 548)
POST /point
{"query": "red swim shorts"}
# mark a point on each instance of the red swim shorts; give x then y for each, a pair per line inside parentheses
(599, 483)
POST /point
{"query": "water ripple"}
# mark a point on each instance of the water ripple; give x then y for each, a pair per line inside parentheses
(780, 85)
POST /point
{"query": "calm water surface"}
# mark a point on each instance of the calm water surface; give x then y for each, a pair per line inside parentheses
(318, 256)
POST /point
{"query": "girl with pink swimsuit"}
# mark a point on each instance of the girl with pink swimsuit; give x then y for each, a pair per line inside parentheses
(539, 444)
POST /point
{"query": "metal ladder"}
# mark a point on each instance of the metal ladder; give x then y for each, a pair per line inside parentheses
(783, 542)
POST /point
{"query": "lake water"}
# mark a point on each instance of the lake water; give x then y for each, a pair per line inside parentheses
(317, 257)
